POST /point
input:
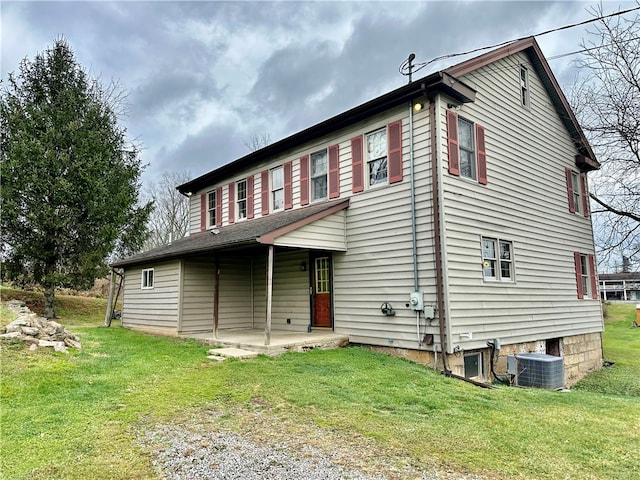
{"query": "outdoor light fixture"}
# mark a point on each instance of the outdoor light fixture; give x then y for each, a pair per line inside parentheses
(418, 107)
(303, 267)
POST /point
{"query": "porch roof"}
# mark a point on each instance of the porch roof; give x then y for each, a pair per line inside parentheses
(263, 230)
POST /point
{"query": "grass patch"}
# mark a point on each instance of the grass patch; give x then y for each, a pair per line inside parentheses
(621, 342)
(76, 416)
(74, 310)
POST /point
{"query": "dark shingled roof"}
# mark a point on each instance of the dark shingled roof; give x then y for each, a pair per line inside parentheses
(235, 235)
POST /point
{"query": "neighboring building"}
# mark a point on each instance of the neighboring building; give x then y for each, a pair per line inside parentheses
(445, 214)
(621, 287)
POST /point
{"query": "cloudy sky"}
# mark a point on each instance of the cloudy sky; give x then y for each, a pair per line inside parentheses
(205, 77)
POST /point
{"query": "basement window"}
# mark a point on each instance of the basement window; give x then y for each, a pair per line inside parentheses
(147, 278)
(473, 365)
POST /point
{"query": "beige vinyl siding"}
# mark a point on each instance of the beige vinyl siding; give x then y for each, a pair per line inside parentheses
(525, 202)
(154, 308)
(197, 295)
(259, 269)
(378, 264)
(235, 292)
(328, 233)
(290, 291)
(194, 212)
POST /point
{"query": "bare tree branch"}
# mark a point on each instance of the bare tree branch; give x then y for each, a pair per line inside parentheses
(612, 209)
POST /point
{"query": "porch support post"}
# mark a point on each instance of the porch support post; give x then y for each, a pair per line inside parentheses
(267, 326)
(216, 298)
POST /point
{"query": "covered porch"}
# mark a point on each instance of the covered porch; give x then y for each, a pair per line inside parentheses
(265, 283)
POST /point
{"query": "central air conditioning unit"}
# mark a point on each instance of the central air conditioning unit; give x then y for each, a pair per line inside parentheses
(536, 370)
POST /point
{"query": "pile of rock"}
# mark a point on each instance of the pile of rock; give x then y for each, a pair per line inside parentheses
(37, 331)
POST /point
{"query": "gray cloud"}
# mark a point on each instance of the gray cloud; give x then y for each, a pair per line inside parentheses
(205, 76)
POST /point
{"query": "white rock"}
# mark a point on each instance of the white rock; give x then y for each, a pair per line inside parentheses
(10, 335)
(31, 331)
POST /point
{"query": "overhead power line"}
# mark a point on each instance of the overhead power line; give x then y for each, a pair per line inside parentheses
(405, 65)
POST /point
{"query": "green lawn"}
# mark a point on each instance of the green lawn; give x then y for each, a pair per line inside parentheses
(78, 416)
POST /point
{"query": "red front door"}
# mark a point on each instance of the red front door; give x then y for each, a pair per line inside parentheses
(321, 291)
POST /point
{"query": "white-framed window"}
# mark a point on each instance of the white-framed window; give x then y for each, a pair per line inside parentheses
(466, 142)
(577, 192)
(318, 175)
(211, 208)
(497, 260)
(322, 269)
(524, 86)
(473, 365)
(241, 198)
(377, 157)
(585, 275)
(277, 188)
(147, 278)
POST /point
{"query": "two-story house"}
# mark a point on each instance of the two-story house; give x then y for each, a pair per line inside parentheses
(446, 215)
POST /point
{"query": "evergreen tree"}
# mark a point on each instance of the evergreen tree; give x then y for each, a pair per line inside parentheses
(69, 177)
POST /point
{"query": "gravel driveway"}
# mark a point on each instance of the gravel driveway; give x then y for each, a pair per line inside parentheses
(205, 448)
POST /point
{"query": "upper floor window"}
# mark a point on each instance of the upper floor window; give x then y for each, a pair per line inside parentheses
(241, 196)
(577, 192)
(575, 183)
(319, 175)
(497, 259)
(147, 278)
(585, 275)
(466, 143)
(377, 157)
(211, 208)
(277, 188)
(466, 148)
(524, 86)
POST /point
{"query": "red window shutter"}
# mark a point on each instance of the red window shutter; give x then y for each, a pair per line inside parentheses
(218, 206)
(592, 276)
(250, 196)
(452, 142)
(232, 202)
(585, 197)
(334, 171)
(203, 211)
(576, 259)
(572, 205)
(288, 186)
(357, 168)
(482, 155)
(304, 180)
(394, 158)
(264, 180)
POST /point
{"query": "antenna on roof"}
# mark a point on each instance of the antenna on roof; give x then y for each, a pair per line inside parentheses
(412, 57)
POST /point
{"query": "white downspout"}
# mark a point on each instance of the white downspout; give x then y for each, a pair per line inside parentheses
(413, 217)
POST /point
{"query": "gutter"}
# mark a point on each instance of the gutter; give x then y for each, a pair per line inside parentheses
(437, 82)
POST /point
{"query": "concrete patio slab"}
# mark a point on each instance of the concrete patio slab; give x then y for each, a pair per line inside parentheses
(280, 342)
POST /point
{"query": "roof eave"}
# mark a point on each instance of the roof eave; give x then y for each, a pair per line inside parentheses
(530, 46)
(426, 86)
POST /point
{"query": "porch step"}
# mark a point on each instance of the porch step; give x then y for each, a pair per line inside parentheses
(230, 352)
